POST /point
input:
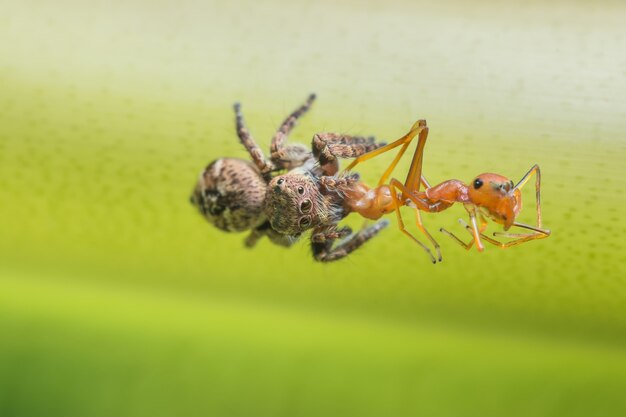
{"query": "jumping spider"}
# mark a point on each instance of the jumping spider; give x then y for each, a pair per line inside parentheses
(232, 194)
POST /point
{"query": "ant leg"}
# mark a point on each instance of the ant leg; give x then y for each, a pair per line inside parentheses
(264, 165)
(521, 237)
(290, 156)
(545, 232)
(533, 170)
(418, 128)
(324, 252)
(327, 147)
(475, 230)
(468, 245)
(395, 184)
(539, 232)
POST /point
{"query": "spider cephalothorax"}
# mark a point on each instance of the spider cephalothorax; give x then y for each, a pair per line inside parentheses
(295, 203)
(230, 194)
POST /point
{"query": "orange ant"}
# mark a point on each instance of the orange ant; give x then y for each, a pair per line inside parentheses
(489, 196)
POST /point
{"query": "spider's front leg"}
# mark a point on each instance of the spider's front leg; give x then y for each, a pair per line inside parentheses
(330, 234)
(266, 230)
(322, 241)
(327, 147)
(290, 156)
(264, 165)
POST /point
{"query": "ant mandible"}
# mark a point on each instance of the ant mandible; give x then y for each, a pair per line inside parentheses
(488, 196)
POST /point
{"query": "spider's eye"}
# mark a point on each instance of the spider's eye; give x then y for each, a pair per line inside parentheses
(300, 190)
(305, 207)
(280, 181)
(478, 183)
(304, 222)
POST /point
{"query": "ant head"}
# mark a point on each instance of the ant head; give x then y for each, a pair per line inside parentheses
(293, 203)
(230, 194)
(496, 194)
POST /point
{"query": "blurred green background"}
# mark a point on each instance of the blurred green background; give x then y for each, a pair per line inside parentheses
(117, 298)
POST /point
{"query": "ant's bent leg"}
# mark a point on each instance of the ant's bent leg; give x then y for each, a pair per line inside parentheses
(324, 252)
(475, 231)
(467, 227)
(533, 170)
(264, 165)
(327, 147)
(290, 156)
(521, 237)
(536, 230)
(468, 245)
(397, 185)
(419, 128)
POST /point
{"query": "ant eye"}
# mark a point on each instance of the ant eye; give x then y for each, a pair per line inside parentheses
(300, 190)
(478, 183)
(304, 222)
(280, 181)
(305, 207)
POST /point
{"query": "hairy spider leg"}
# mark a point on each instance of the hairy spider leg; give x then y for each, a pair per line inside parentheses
(263, 164)
(327, 147)
(279, 152)
(279, 138)
(324, 252)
